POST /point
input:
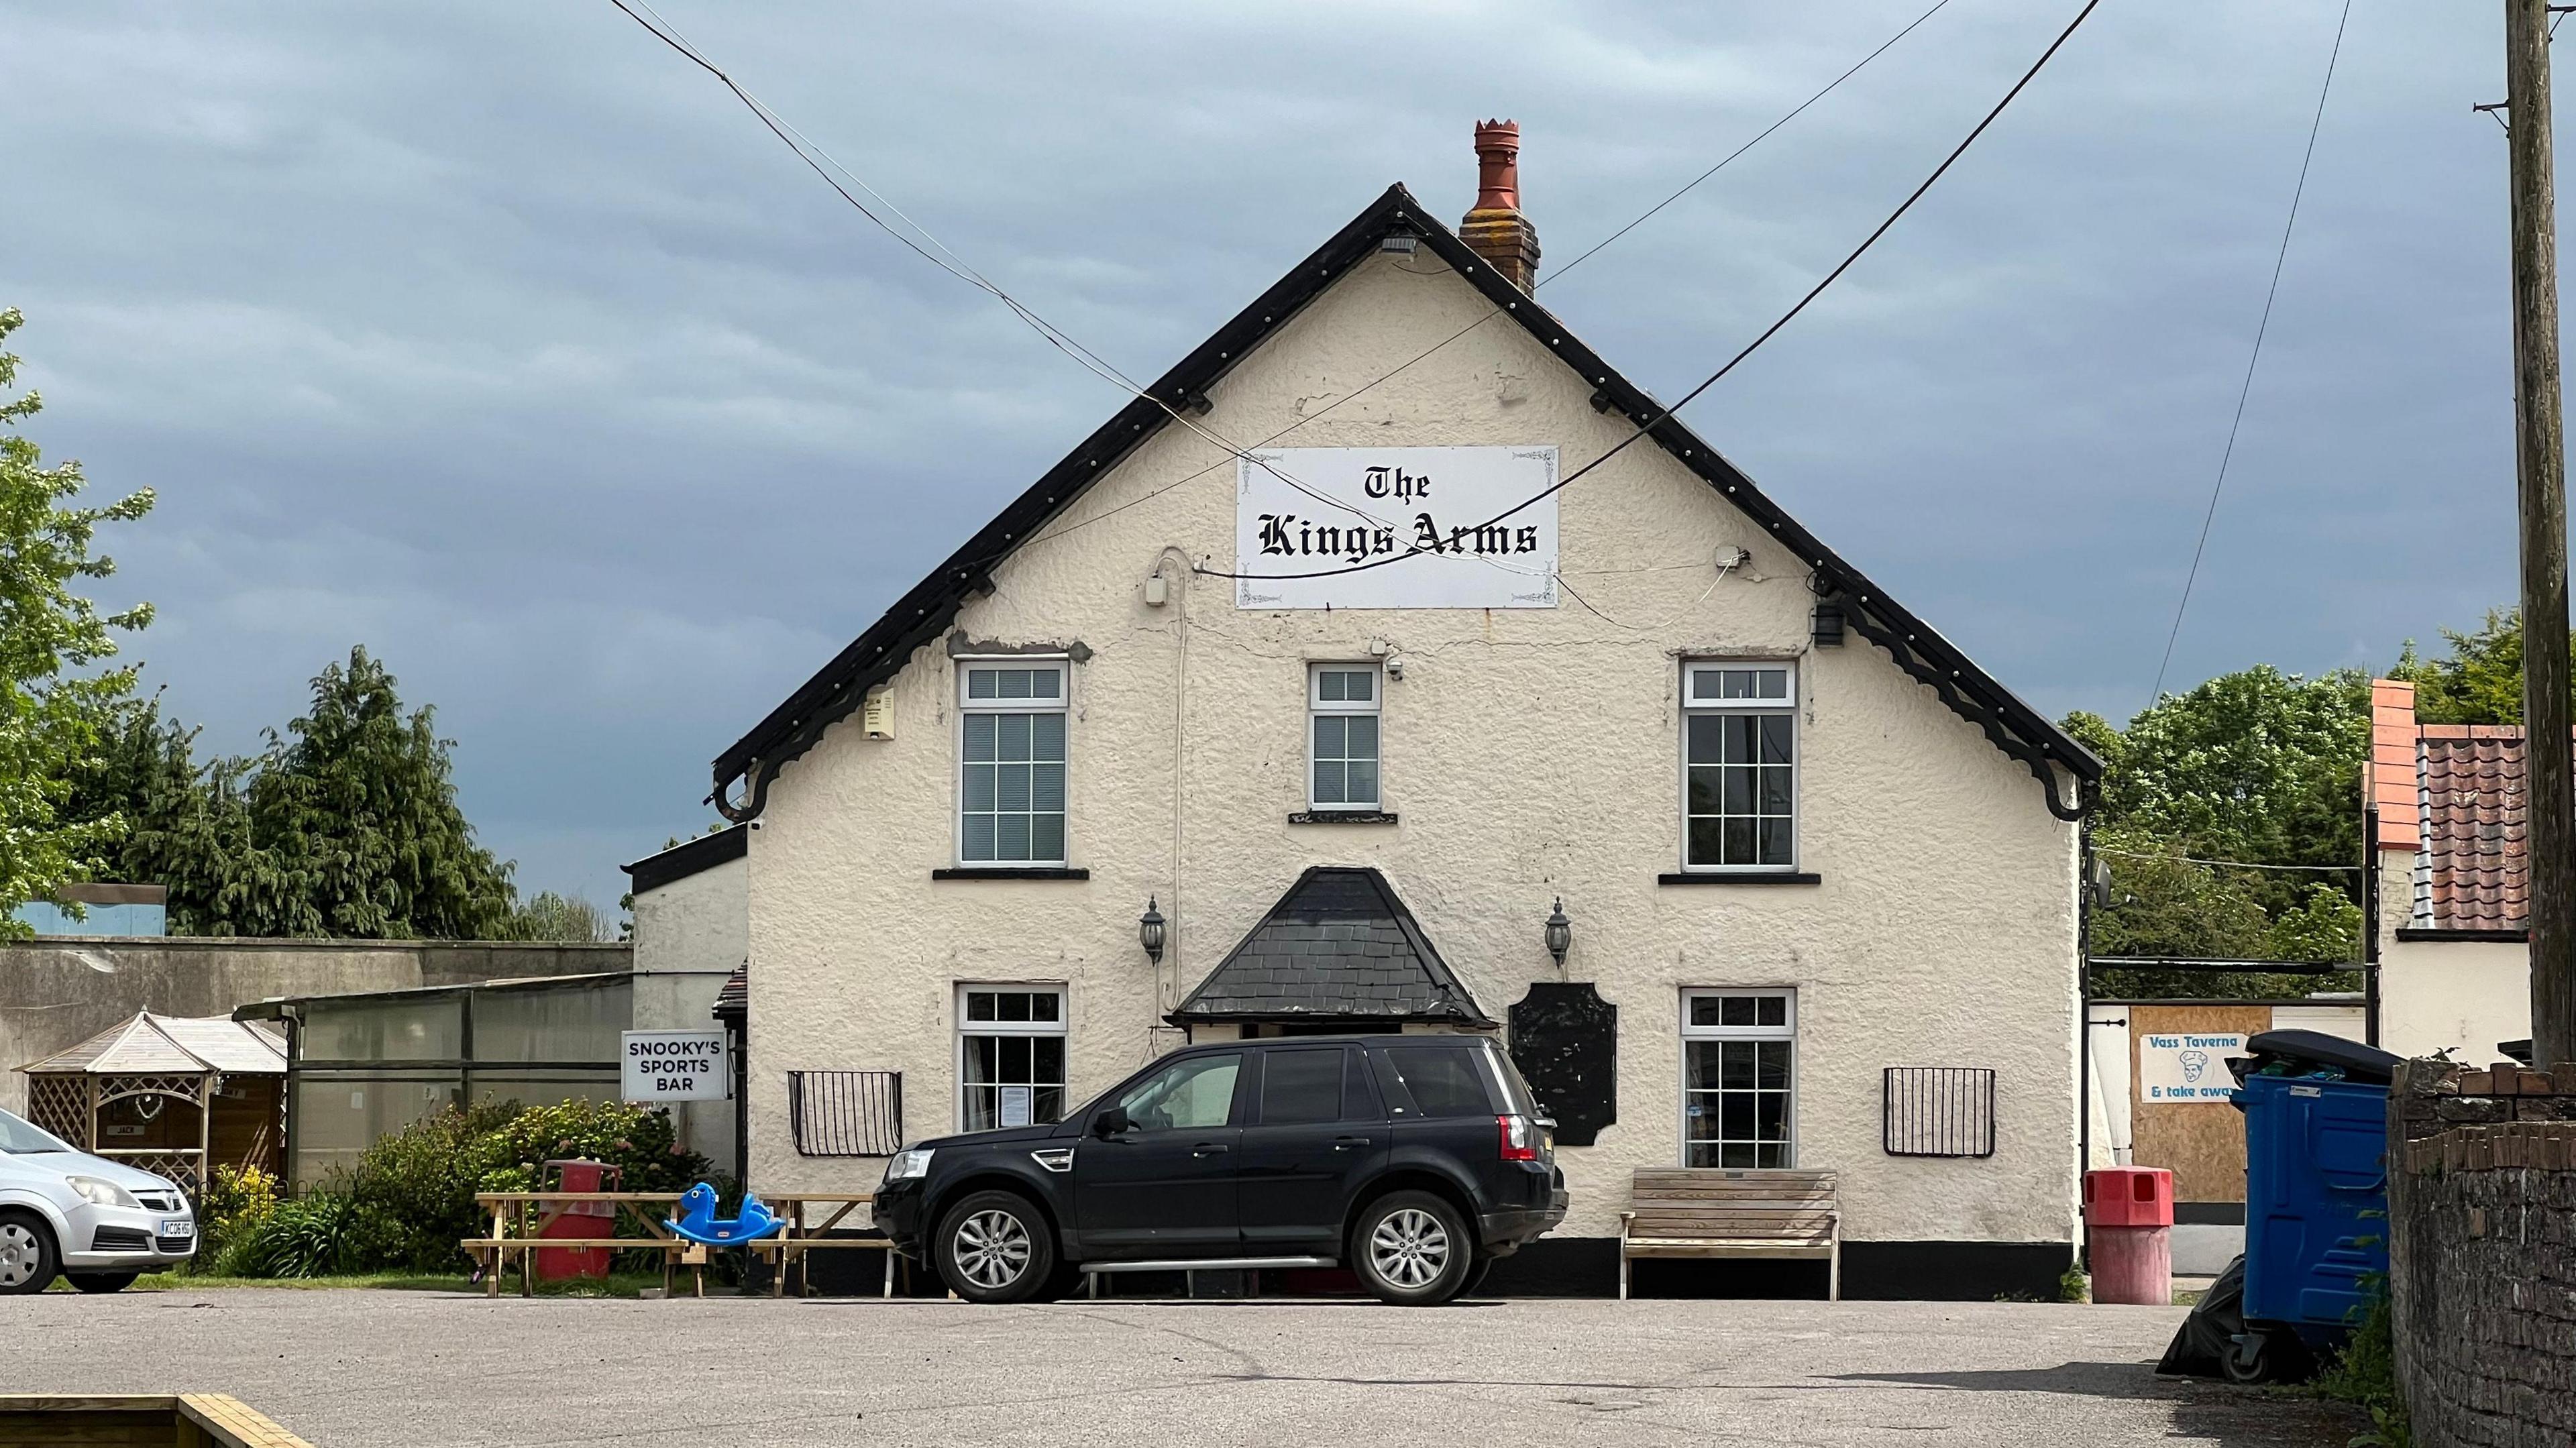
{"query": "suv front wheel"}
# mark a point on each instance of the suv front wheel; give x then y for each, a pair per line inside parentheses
(1412, 1249)
(995, 1247)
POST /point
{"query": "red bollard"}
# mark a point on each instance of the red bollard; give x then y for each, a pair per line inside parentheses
(2128, 1217)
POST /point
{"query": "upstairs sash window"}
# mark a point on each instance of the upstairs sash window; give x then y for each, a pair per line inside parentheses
(1011, 761)
(1739, 766)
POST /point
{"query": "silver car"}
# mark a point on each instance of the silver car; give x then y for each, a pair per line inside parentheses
(96, 1222)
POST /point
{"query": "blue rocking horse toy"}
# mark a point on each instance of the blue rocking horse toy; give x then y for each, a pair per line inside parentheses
(698, 1221)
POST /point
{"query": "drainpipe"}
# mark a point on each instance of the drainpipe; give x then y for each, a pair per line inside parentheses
(2084, 1003)
(1165, 999)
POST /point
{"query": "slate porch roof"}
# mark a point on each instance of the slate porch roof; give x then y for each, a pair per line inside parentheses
(1338, 946)
(921, 615)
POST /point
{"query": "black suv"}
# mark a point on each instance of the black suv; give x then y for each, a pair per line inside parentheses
(1414, 1160)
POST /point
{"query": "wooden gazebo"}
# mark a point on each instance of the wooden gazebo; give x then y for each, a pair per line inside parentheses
(173, 1095)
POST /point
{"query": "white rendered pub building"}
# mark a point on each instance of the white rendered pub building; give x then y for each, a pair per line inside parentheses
(1365, 667)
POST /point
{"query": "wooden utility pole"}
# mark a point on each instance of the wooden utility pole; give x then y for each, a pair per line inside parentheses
(2549, 799)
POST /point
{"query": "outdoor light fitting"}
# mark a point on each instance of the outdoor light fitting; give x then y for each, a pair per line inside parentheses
(1560, 933)
(1149, 931)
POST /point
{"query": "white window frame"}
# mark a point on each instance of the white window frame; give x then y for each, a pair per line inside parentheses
(967, 1029)
(1318, 706)
(1787, 1031)
(1784, 708)
(966, 666)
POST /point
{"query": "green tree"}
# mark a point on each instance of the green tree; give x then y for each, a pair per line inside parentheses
(2480, 682)
(549, 916)
(54, 696)
(187, 826)
(356, 804)
(2257, 767)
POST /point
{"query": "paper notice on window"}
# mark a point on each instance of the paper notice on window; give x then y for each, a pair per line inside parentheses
(1015, 1106)
(2187, 1066)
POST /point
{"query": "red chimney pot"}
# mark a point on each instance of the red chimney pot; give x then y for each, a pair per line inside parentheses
(1498, 166)
(1495, 229)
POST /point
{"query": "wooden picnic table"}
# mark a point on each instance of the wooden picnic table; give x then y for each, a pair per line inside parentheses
(802, 1235)
(511, 1209)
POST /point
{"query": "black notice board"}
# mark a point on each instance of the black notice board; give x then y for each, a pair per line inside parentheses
(1565, 1039)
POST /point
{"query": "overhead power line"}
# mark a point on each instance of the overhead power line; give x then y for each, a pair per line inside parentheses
(1750, 347)
(2232, 864)
(824, 165)
(1493, 312)
(2228, 454)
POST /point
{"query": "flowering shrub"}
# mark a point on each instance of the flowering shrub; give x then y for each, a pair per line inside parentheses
(410, 1199)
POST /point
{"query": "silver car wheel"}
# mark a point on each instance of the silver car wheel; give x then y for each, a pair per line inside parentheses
(992, 1249)
(1409, 1248)
(20, 1253)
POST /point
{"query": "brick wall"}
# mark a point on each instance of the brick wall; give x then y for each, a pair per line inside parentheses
(2482, 1253)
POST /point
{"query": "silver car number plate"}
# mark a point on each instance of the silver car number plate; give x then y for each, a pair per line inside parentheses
(178, 1227)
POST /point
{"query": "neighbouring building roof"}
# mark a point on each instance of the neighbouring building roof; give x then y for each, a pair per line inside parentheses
(1338, 946)
(151, 1045)
(2452, 794)
(928, 609)
(687, 858)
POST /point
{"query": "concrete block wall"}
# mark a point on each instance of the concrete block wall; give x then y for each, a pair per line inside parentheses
(56, 992)
(2482, 1208)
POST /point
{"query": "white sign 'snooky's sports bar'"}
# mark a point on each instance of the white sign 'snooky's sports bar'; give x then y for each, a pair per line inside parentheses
(1418, 527)
(673, 1066)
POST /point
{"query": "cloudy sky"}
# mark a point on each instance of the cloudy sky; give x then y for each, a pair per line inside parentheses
(497, 338)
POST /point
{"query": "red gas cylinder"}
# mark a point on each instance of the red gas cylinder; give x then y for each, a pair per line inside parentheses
(2128, 1219)
(577, 1219)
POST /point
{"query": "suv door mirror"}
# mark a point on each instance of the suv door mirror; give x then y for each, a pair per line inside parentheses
(1112, 1121)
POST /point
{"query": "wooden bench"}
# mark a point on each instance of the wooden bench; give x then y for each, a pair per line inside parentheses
(1721, 1212)
(801, 1236)
(513, 1231)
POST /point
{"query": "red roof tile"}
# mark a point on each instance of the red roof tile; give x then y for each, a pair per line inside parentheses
(2457, 804)
(2473, 875)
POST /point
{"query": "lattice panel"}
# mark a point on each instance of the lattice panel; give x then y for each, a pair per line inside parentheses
(60, 1104)
(191, 1089)
(182, 1167)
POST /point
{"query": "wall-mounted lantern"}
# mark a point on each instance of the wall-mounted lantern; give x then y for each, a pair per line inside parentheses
(1560, 933)
(1149, 931)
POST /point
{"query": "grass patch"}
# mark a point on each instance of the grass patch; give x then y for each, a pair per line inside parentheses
(621, 1284)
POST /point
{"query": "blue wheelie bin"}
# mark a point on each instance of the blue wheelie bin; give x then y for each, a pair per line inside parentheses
(2316, 1196)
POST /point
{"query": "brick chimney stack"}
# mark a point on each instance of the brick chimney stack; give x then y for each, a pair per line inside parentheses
(1495, 228)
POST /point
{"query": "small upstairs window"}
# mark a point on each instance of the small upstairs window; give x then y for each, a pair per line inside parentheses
(1342, 715)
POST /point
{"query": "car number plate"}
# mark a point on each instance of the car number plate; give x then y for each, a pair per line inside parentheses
(179, 1228)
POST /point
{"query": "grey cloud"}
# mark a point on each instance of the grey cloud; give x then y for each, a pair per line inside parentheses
(500, 339)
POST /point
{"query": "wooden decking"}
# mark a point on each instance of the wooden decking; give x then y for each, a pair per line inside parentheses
(176, 1420)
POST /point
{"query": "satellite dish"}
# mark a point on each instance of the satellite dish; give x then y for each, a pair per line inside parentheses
(2101, 883)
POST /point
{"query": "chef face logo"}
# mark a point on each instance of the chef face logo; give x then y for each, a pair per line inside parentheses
(2193, 1063)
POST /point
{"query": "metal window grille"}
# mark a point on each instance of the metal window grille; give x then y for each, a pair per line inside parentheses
(846, 1113)
(1940, 1111)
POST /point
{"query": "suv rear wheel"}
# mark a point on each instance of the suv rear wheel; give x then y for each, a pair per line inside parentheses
(27, 1258)
(1411, 1249)
(995, 1247)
